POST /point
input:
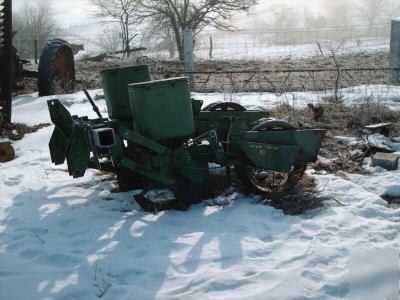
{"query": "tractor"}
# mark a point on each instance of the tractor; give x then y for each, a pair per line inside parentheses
(56, 69)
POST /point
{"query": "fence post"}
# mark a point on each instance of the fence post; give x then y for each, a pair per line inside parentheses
(395, 53)
(5, 60)
(188, 52)
(210, 54)
(35, 45)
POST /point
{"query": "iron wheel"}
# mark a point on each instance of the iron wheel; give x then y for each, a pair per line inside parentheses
(268, 181)
(224, 106)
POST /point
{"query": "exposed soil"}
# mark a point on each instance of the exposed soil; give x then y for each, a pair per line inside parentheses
(88, 73)
(225, 77)
(304, 197)
(391, 199)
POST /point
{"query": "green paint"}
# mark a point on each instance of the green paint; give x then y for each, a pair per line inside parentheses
(153, 127)
(115, 82)
(162, 110)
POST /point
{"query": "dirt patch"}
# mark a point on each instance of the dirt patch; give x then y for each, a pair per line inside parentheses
(393, 201)
(88, 73)
(304, 197)
(17, 131)
(276, 81)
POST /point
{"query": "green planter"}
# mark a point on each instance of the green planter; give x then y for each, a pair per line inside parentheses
(115, 84)
(162, 110)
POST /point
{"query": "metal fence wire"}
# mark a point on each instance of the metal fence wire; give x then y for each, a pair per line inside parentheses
(286, 64)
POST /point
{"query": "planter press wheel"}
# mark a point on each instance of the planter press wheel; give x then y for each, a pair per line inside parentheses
(268, 181)
(7, 152)
(224, 106)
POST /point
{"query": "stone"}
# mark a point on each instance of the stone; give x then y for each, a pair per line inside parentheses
(388, 161)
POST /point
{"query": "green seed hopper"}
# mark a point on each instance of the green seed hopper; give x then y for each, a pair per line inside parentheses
(160, 140)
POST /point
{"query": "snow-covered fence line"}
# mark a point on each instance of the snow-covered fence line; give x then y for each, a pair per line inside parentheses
(247, 45)
(355, 87)
(282, 80)
(289, 43)
(267, 44)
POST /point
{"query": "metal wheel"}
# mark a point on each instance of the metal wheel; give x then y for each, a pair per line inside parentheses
(269, 181)
(224, 106)
(7, 152)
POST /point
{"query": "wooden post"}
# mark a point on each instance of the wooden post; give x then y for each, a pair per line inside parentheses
(320, 48)
(188, 51)
(6, 58)
(394, 57)
(36, 51)
(210, 54)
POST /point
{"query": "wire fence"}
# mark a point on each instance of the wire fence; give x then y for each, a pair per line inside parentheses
(284, 65)
(248, 45)
(263, 45)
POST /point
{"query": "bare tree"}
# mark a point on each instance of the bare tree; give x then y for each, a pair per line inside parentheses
(191, 14)
(36, 21)
(161, 38)
(284, 17)
(378, 12)
(110, 40)
(122, 12)
(341, 13)
(314, 22)
(334, 48)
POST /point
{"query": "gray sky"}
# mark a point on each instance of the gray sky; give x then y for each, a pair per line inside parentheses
(77, 12)
(69, 12)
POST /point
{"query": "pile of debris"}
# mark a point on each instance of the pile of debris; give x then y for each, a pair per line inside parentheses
(354, 134)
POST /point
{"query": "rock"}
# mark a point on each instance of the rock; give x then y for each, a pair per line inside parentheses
(382, 128)
(378, 142)
(387, 161)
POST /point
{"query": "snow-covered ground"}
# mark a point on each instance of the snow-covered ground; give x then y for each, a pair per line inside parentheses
(252, 49)
(73, 239)
(255, 46)
(384, 95)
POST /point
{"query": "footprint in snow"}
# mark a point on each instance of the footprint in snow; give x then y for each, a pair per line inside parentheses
(59, 260)
(310, 226)
(17, 222)
(312, 281)
(249, 273)
(30, 253)
(13, 181)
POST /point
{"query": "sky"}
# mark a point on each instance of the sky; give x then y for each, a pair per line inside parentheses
(77, 13)
(69, 12)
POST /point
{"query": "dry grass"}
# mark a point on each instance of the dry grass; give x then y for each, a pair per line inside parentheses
(17, 131)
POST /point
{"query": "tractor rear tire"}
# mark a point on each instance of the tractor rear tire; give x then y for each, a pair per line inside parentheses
(56, 68)
(245, 174)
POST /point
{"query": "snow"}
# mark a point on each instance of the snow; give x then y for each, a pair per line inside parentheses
(262, 46)
(62, 238)
(381, 95)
